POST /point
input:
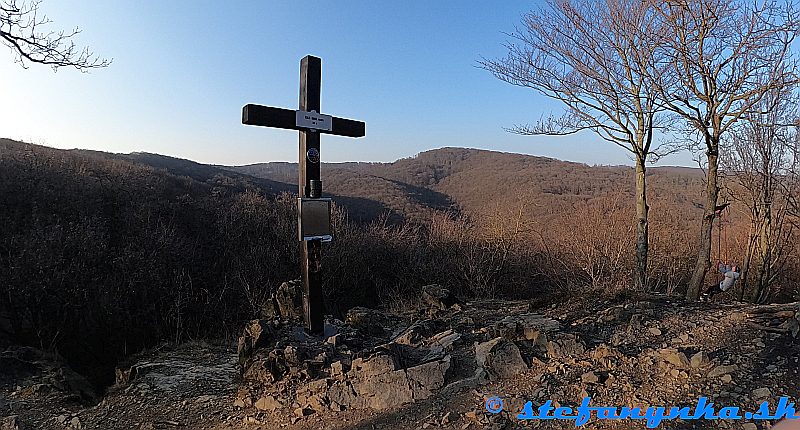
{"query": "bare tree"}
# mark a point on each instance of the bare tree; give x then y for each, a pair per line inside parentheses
(594, 56)
(723, 57)
(758, 159)
(21, 29)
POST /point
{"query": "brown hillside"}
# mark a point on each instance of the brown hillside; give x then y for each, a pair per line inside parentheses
(480, 182)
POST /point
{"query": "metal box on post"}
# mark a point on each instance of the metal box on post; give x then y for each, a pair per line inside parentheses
(314, 219)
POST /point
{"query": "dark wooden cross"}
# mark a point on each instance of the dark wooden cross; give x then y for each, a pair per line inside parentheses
(310, 123)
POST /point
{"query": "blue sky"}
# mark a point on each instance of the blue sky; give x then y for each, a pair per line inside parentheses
(182, 71)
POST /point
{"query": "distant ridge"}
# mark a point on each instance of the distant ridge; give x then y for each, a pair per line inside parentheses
(456, 180)
(476, 181)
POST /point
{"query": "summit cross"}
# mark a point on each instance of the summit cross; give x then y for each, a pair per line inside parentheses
(311, 124)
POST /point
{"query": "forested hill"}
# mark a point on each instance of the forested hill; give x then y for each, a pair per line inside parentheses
(480, 181)
(102, 254)
(472, 181)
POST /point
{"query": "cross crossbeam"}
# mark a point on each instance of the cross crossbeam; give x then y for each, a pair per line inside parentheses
(268, 116)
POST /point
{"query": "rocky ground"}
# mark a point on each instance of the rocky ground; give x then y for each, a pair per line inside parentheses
(432, 367)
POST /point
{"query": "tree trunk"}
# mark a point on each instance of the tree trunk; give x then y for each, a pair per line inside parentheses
(641, 225)
(704, 244)
(743, 282)
(7, 321)
(763, 272)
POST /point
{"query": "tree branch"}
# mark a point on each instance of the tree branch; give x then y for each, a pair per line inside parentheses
(20, 30)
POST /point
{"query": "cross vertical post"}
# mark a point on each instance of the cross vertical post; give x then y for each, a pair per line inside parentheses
(313, 222)
(310, 186)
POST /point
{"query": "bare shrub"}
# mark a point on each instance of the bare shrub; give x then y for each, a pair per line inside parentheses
(673, 248)
(595, 236)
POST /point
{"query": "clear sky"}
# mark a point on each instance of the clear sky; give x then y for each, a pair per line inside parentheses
(182, 70)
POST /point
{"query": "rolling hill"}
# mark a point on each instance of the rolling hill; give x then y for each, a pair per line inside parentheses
(479, 182)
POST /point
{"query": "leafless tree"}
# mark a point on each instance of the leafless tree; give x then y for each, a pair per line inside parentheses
(723, 57)
(758, 158)
(22, 30)
(595, 57)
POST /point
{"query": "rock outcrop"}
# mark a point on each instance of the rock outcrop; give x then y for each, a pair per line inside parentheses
(500, 358)
(286, 302)
(373, 360)
(440, 298)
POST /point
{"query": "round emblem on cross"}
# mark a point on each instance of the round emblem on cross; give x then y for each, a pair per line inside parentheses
(313, 155)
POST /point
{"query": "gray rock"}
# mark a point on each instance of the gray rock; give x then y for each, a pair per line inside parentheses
(329, 330)
(722, 370)
(337, 368)
(303, 412)
(375, 383)
(635, 323)
(529, 327)
(426, 378)
(320, 386)
(500, 358)
(344, 394)
(440, 344)
(385, 391)
(565, 345)
(257, 334)
(416, 334)
(674, 357)
(590, 378)
(10, 423)
(445, 339)
(372, 322)
(699, 360)
(439, 297)
(267, 403)
(377, 365)
(614, 313)
(448, 418)
(77, 384)
(285, 301)
(294, 355)
(793, 325)
(761, 393)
